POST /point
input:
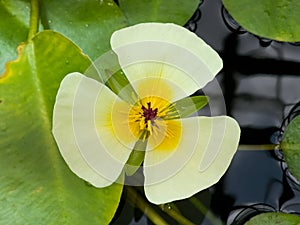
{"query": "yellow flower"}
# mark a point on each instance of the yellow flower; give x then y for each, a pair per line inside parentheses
(96, 130)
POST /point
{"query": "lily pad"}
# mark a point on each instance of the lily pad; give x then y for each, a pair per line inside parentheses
(273, 19)
(14, 26)
(274, 218)
(88, 23)
(36, 186)
(291, 147)
(171, 11)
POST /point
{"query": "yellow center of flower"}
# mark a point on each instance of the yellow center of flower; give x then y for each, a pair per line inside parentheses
(152, 117)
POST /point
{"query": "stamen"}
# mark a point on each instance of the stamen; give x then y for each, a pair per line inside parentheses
(149, 113)
(145, 113)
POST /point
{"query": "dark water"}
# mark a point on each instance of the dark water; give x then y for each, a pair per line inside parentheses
(260, 82)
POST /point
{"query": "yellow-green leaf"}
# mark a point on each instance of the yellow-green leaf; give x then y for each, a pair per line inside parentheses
(273, 218)
(36, 186)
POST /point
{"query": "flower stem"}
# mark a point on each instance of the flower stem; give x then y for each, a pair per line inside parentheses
(199, 205)
(175, 215)
(209, 215)
(34, 19)
(136, 199)
(265, 147)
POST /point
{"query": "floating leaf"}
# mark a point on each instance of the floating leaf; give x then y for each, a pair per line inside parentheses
(14, 23)
(291, 146)
(278, 20)
(274, 218)
(36, 186)
(88, 23)
(172, 11)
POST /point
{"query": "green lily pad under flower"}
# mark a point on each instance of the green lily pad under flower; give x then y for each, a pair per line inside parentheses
(273, 19)
(291, 147)
(36, 186)
(273, 218)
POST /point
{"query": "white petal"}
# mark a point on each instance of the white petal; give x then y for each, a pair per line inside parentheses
(84, 132)
(64, 135)
(166, 51)
(203, 155)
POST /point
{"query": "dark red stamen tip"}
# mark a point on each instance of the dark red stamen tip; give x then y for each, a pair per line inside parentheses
(149, 113)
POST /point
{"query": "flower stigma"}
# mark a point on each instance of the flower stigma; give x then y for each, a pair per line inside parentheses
(150, 117)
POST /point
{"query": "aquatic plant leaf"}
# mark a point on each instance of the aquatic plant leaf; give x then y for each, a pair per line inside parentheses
(36, 185)
(14, 26)
(291, 146)
(274, 218)
(88, 23)
(277, 20)
(168, 11)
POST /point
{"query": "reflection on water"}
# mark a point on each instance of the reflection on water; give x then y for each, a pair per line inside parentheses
(260, 82)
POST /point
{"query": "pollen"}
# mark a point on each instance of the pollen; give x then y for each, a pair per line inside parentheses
(149, 117)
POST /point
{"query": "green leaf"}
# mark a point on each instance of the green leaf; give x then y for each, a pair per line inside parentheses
(36, 186)
(273, 19)
(274, 218)
(187, 106)
(171, 11)
(88, 23)
(291, 146)
(14, 26)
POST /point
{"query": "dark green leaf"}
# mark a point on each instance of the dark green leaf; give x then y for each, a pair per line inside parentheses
(88, 23)
(14, 23)
(171, 11)
(273, 19)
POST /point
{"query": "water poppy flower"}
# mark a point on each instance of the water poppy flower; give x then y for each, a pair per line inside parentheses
(96, 130)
